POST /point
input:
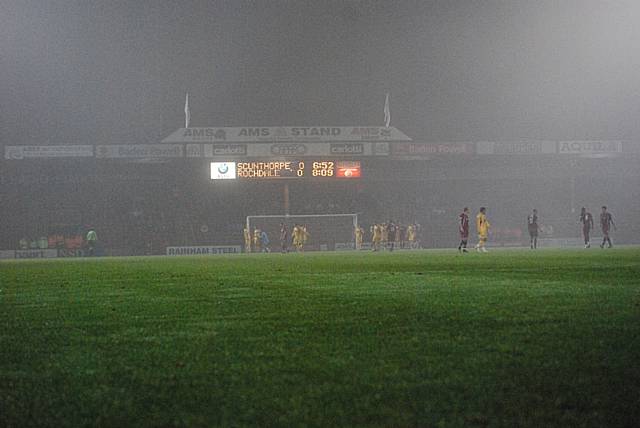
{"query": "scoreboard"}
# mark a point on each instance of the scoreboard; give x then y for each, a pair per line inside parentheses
(285, 169)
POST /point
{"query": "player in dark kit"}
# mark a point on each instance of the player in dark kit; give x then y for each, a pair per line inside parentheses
(463, 228)
(532, 224)
(284, 237)
(606, 221)
(587, 224)
(391, 230)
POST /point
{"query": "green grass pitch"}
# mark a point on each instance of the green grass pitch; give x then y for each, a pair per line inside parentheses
(428, 338)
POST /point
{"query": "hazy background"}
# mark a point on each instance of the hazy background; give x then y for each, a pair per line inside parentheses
(110, 72)
(89, 72)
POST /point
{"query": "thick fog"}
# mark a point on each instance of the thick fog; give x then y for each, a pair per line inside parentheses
(464, 70)
(95, 72)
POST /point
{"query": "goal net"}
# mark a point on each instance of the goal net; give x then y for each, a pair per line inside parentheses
(325, 232)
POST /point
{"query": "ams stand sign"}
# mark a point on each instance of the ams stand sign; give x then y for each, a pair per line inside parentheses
(286, 134)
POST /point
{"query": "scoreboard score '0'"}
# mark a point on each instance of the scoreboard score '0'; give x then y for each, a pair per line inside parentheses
(265, 170)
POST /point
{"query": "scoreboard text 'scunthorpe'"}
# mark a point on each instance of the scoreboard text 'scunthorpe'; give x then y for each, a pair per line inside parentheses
(264, 170)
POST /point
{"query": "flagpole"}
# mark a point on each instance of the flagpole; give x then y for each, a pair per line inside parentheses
(387, 111)
(187, 112)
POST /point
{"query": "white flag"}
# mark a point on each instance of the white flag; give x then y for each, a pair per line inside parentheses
(187, 113)
(387, 112)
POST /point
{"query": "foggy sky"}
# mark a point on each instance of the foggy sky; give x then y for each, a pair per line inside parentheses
(99, 72)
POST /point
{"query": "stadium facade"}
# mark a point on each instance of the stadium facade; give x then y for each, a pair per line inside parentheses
(145, 198)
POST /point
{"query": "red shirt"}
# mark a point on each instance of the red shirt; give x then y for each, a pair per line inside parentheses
(464, 224)
(605, 221)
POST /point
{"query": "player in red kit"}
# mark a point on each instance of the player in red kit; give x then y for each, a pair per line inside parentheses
(463, 228)
(606, 221)
(587, 224)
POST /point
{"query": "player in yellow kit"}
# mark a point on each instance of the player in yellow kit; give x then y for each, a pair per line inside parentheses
(297, 237)
(411, 236)
(256, 240)
(376, 237)
(359, 234)
(247, 240)
(483, 226)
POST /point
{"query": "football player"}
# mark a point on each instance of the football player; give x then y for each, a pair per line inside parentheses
(587, 224)
(532, 225)
(463, 229)
(483, 226)
(606, 221)
(359, 234)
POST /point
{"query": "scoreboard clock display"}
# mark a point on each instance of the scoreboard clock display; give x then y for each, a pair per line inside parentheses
(290, 169)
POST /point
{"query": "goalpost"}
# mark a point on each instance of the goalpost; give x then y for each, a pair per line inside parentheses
(326, 231)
